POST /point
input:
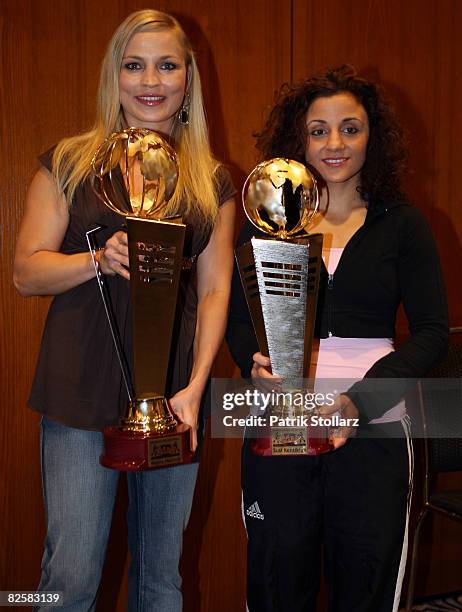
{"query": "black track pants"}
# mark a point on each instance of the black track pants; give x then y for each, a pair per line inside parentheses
(353, 501)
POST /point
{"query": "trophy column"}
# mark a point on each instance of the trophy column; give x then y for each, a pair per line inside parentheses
(281, 281)
(149, 436)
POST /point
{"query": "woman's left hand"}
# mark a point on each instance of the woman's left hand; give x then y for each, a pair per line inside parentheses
(347, 410)
(185, 404)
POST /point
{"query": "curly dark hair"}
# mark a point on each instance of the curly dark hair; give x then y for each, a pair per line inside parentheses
(285, 133)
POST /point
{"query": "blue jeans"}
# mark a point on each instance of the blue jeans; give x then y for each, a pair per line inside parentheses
(79, 498)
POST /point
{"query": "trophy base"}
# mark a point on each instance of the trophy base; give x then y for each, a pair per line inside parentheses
(136, 451)
(291, 442)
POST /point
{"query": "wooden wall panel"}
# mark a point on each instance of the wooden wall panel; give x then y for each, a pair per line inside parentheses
(20, 506)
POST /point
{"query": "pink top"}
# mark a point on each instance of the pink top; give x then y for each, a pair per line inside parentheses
(349, 358)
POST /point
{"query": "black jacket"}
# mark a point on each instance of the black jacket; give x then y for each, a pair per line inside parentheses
(391, 259)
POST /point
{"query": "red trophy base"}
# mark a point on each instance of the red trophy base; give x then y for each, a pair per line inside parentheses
(292, 441)
(136, 451)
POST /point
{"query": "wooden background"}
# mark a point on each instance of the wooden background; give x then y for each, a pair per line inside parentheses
(51, 51)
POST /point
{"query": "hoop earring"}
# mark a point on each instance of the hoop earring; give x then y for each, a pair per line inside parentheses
(183, 113)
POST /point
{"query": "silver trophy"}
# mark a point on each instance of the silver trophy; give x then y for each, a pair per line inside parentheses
(280, 276)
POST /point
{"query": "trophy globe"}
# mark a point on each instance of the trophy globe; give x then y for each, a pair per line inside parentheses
(149, 167)
(280, 198)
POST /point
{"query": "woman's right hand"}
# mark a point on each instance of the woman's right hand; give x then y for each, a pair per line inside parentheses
(261, 373)
(261, 366)
(113, 258)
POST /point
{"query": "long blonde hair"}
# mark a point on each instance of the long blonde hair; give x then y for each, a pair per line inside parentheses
(196, 192)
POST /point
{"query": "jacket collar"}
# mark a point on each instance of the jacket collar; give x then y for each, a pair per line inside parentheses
(377, 208)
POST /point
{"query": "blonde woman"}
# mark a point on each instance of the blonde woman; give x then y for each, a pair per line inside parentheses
(149, 78)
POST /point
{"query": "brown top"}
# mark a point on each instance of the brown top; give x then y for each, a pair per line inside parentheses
(78, 381)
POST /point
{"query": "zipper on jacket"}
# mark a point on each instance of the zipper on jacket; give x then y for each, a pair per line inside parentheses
(330, 314)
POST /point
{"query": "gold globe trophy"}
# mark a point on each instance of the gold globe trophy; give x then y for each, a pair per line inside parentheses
(149, 436)
(280, 276)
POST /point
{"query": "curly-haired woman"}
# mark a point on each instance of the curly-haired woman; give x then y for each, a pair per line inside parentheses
(378, 253)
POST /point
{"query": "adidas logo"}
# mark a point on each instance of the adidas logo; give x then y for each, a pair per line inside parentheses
(255, 512)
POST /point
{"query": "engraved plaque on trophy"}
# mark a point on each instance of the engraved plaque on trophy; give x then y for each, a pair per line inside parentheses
(149, 435)
(280, 277)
